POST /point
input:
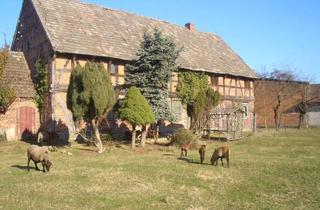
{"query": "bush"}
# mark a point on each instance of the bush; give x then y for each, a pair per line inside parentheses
(2, 137)
(184, 136)
(105, 137)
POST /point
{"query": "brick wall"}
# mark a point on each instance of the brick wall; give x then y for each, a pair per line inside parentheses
(266, 92)
(9, 120)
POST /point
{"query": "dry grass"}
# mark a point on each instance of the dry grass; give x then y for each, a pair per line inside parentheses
(268, 171)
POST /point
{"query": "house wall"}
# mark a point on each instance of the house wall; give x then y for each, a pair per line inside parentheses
(30, 37)
(236, 92)
(243, 94)
(266, 92)
(9, 121)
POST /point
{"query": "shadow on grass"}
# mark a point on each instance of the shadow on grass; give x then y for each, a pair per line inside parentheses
(192, 161)
(168, 154)
(25, 168)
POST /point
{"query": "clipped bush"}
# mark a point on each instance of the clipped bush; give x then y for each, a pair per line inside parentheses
(184, 136)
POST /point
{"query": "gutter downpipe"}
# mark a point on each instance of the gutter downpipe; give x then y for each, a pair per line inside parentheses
(53, 93)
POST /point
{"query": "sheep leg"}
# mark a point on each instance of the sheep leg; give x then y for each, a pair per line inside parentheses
(228, 162)
(36, 166)
(28, 164)
(221, 161)
(43, 167)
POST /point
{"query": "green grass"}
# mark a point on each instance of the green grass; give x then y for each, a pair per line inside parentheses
(268, 171)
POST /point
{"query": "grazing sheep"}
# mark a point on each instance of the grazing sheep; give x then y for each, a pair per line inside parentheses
(202, 153)
(184, 149)
(39, 154)
(220, 153)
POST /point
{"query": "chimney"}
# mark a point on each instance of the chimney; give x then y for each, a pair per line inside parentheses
(191, 27)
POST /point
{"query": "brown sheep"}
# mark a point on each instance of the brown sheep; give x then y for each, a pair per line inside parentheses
(202, 153)
(220, 153)
(39, 154)
(184, 149)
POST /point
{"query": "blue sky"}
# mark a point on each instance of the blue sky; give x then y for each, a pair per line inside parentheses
(267, 34)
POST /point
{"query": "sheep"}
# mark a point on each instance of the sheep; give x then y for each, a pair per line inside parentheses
(184, 149)
(220, 153)
(39, 154)
(202, 153)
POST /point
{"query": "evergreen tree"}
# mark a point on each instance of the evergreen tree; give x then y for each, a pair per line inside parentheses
(136, 110)
(41, 84)
(90, 95)
(157, 58)
(7, 94)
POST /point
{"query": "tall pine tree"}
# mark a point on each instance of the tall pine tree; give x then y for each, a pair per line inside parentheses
(157, 58)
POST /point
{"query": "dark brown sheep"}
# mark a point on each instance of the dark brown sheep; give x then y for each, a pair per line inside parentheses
(39, 155)
(202, 153)
(220, 153)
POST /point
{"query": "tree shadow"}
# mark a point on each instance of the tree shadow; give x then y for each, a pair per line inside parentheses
(54, 134)
(28, 137)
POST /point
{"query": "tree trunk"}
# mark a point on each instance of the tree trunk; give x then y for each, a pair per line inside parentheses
(276, 119)
(96, 134)
(133, 138)
(303, 121)
(143, 136)
(157, 131)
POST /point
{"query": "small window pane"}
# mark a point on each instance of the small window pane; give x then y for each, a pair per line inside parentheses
(113, 69)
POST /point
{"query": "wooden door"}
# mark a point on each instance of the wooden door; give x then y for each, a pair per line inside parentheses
(26, 122)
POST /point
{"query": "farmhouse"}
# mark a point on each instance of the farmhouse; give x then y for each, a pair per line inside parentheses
(67, 33)
(21, 116)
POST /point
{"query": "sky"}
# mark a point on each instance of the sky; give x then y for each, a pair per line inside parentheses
(267, 34)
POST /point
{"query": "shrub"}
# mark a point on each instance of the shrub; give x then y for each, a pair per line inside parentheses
(184, 136)
(2, 137)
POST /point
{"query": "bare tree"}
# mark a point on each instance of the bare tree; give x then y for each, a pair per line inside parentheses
(279, 86)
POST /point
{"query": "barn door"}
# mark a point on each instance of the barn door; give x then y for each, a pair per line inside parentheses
(26, 122)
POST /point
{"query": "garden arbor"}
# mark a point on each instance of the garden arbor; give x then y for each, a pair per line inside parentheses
(226, 121)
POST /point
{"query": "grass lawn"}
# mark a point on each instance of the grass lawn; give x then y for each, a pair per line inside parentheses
(267, 171)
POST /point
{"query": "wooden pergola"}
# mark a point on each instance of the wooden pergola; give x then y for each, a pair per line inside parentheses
(227, 122)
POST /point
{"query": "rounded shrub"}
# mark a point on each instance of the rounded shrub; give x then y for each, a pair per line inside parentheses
(184, 136)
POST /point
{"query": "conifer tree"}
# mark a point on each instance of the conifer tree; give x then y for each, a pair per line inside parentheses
(136, 110)
(157, 58)
(7, 94)
(90, 95)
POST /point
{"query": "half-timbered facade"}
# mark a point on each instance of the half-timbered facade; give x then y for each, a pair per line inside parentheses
(67, 33)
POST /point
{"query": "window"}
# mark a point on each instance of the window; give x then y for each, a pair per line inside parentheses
(214, 81)
(247, 84)
(176, 109)
(245, 108)
(113, 69)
